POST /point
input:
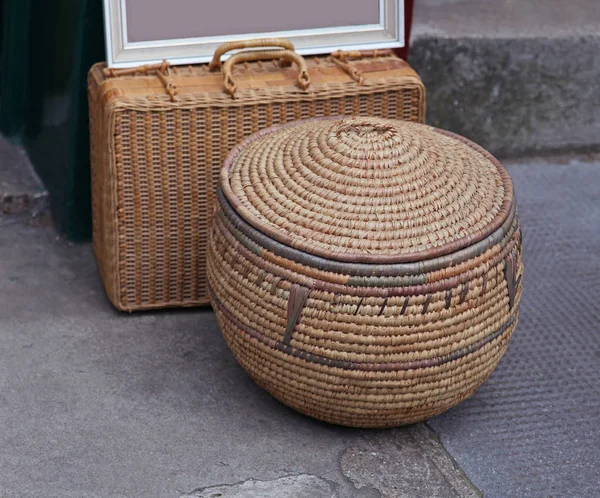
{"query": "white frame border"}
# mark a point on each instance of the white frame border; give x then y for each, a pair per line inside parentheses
(120, 53)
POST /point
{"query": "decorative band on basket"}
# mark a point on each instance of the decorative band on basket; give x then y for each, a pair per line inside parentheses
(268, 262)
(366, 274)
(510, 274)
(285, 347)
(296, 301)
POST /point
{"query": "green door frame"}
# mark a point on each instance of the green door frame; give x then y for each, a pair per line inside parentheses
(48, 47)
(15, 66)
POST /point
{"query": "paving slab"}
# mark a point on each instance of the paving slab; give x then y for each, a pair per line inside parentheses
(533, 429)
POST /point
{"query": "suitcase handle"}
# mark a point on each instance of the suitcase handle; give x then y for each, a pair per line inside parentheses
(286, 55)
(359, 54)
(340, 59)
(256, 43)
(162, 71)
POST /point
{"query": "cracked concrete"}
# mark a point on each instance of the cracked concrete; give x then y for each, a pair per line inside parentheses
(300, 486)
(409, 463)
(21, 190)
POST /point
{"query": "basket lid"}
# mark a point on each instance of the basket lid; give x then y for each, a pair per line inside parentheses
(367, 190)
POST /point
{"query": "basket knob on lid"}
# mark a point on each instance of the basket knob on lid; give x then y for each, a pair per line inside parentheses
(365, 127)
(367, 190)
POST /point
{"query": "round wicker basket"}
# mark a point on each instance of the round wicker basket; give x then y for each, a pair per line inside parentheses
(366, 272)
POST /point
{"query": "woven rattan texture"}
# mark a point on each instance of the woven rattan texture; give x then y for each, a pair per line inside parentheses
(359, 344)
(365, 186)
(155, 163)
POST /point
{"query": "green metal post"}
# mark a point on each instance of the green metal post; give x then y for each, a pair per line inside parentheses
(49, 47)
(15, 66)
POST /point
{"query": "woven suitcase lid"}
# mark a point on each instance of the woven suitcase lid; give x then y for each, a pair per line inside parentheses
(367, 190)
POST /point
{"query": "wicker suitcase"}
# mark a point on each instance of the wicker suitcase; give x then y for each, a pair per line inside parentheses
(159, 136)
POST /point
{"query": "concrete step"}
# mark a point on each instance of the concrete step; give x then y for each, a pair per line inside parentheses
(21, 190)
(518, 77)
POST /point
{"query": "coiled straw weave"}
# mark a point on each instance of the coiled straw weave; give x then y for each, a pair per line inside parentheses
(366, 272)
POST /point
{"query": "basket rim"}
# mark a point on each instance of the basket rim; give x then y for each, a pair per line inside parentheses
(363, 274)
(506, 210)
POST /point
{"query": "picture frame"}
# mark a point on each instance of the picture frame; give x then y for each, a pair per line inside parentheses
(139, 32)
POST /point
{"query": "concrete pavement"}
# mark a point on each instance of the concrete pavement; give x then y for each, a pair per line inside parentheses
(96, 403)
(99, 404)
